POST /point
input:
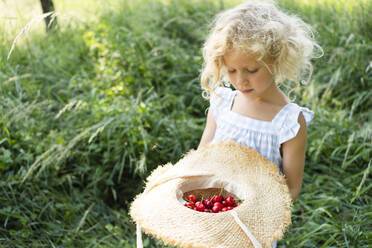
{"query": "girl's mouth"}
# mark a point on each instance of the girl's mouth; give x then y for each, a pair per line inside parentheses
(247, 91)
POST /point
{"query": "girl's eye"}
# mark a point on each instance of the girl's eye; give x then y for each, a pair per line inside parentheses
(251, 72)
(254, 71)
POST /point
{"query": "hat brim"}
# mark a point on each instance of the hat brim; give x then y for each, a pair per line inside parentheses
(265, 209)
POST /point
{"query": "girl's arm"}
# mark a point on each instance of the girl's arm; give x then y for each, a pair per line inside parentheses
(293, 152)
(210, 129)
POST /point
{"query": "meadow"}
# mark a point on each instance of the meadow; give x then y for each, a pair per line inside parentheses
(88, 110)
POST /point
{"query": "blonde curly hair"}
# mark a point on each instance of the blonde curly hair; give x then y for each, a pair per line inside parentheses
(260, 28)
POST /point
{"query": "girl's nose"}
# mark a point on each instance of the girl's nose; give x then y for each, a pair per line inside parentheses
(242, 80)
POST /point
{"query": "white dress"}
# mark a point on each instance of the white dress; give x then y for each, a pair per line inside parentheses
(265, 137)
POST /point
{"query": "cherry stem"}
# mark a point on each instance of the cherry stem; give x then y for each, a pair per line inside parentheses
(221, 191)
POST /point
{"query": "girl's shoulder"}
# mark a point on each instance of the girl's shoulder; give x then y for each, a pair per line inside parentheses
(222, 92)
(221, 96)
(287, 120)
(220, 100)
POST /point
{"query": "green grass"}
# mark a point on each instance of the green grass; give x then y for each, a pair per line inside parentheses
(88, 111)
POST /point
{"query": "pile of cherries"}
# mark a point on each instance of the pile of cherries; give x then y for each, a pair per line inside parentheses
(215, 204)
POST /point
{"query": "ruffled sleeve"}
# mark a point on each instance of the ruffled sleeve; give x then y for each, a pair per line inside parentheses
(290, 126)
(219, 101)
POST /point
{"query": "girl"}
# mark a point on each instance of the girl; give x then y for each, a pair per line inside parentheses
(255, 46)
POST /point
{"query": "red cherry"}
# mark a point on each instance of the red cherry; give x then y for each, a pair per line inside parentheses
(207, 210)
(208, 203)
(217, 198)
(224, 209)
(229, 207)
(230, 200)
(224, 203)
(218, 205)
(191, 198)
(237, 204)
(215, 209)
(189, 204)
(199, 206)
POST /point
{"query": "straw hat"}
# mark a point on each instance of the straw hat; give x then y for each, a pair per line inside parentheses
(261, 218)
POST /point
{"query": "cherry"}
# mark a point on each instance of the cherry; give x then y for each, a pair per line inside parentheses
(218, 205)
(217, 198)
(230, 200)
(224, 209)
(191, 198)
(189, 204)
(199, 206)
(230, 208)
(208, 203)
(215, 209)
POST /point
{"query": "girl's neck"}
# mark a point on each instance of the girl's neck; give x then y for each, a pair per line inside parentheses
(263, 108)
(273, 95)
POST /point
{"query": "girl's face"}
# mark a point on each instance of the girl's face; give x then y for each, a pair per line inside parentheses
(251, 78)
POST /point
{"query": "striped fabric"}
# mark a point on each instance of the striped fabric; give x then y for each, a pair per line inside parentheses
(264, 136)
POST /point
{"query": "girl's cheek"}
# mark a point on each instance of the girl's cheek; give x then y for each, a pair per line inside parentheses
(263, 77)
(232, 78)
(255, 78)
